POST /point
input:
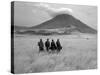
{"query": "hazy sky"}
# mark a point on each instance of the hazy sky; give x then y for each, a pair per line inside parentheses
(33, 13)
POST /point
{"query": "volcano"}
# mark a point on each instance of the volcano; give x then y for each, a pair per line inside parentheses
(65, 21)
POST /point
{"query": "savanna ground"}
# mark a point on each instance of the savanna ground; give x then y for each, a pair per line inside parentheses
(78, 53)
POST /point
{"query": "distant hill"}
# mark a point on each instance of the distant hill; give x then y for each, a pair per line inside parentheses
(65, 21)
(60, 24)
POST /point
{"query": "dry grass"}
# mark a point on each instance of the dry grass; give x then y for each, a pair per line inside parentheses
(77, 54)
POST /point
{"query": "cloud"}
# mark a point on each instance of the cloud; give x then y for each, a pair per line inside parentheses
(53, 11)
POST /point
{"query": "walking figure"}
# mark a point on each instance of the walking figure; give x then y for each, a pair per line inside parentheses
(47, 45)
(59, 47)
(41, 45)
(53, 46)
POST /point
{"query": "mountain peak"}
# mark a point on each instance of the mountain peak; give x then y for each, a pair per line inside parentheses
(63, 17)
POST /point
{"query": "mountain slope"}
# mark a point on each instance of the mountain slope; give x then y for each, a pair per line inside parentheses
(65, 21)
